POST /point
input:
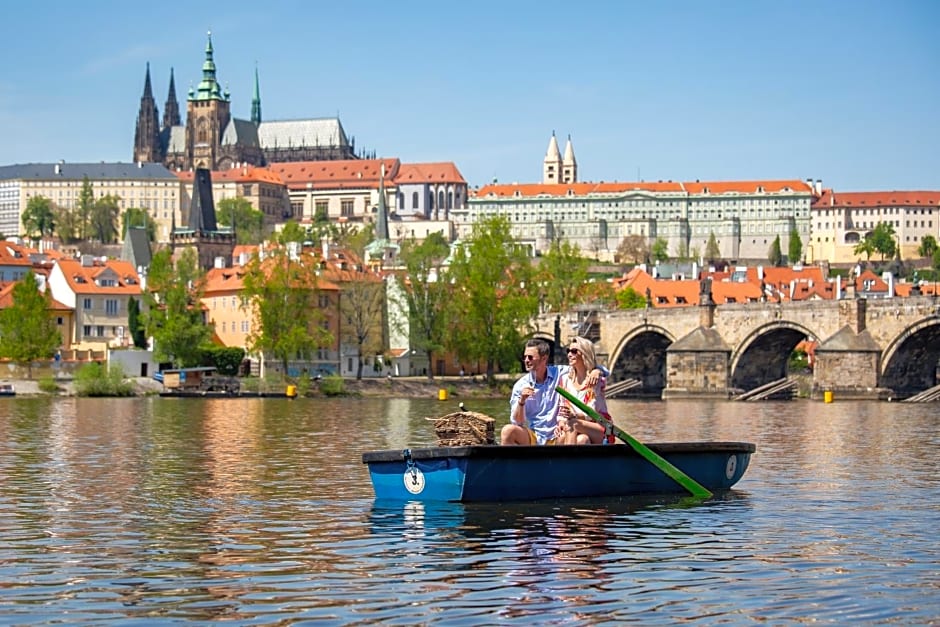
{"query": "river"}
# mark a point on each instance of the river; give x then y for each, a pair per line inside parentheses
(260, 512)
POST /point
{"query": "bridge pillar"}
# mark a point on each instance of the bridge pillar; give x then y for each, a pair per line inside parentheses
(848, 363)
(698, 365)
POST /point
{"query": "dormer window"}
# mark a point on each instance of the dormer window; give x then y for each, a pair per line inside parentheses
(106, 282)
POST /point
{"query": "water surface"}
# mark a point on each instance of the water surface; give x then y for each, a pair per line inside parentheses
(259, 511)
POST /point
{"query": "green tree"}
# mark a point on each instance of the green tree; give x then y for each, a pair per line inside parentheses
(426, 292)
(27, 331)
(104, 219)
(775, 255)
(292, 232)
(86, 208)
(282, 294)
(660, 250)
(135, 323)
(712, 251)
(174, 316)
(247, 221)
(928, 246)
(39, 218)
(936, 260)
(883, 240)
(865, 247)
(362, 306)
(561, 275)
(629, 298)
(140, 218)
(494, 298)
(795, 247)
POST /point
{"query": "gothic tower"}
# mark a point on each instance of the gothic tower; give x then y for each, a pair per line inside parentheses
(551, 166)
(569, 166)
(256, 102)
(147, 135)
(207, 115)
(171, 111)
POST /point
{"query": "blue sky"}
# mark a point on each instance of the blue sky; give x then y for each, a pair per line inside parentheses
(843, 91)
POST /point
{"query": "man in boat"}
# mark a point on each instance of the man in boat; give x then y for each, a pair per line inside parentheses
(534, 403)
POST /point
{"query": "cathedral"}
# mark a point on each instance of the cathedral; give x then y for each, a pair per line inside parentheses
(212, 138)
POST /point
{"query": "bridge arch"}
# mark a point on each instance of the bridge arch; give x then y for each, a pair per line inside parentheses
(764, 354)
(641, 354)
(909, 363)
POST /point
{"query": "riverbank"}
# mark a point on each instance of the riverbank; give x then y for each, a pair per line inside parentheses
(396, 387)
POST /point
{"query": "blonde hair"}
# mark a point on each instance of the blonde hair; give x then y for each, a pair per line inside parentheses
(586, 348)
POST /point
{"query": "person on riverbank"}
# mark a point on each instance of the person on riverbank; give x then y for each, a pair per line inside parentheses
(534, 403)
(574, 427)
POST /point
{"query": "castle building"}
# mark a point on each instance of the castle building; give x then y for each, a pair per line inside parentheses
(212, 138)
(744, 216)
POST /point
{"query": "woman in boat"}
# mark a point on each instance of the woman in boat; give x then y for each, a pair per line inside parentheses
(574, 427)
(534, 404)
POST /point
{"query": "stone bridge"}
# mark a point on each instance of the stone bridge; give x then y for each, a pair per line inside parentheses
(867, 349)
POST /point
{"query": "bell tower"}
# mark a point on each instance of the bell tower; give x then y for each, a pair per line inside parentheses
(207, 115)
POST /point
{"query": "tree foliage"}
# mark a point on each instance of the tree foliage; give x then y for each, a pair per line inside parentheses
(775, 254)
(282, 294)
(928, 246)
(247, 221)
(884, 240)
(39, 218)
(660, 250)
(881, 240)
(135, 323)
(174, 317)
(629, 298)
(493, 297)
(362, 307)
(633, 249)
(561, 275)
(426, 292)
(292, 232)
(27, 331)
(140, 218)
(103, 220)
(713, 252)
(795, 247)
(86, 207)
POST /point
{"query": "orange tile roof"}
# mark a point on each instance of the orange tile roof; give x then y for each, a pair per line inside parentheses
(440, 172)
(341, 174)
(559, 190)
(829, 198)
(747, 187)
(81, 279)
(243, 174)
(12, 254)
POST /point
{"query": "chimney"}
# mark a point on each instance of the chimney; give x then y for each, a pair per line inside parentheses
(818, 187)
(219, 262)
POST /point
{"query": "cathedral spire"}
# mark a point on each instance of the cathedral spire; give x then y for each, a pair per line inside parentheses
(256, 101)
(208, 88)
(171, 111)
(147, 133)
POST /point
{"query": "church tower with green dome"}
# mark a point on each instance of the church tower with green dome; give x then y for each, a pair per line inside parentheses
(208, 111)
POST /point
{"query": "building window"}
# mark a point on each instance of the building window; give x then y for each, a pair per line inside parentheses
(86, 303)
(346, 207)
(322, 210)
(111, 306)
(414, 200)
(86, 330)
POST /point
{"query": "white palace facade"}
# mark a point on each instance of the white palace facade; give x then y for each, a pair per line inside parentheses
(744, 216)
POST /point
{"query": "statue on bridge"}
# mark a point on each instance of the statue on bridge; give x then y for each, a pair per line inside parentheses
(705, 291)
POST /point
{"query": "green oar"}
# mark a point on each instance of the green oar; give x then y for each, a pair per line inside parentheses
(671, 471)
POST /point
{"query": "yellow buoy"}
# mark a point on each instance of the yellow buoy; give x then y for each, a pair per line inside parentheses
(291, 391)
(442, 394)
(827, 396)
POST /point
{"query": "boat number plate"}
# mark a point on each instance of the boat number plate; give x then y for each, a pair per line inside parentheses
(414, 480)
(731, 466)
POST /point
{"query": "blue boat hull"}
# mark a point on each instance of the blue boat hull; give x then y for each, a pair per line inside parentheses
(506, 473)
